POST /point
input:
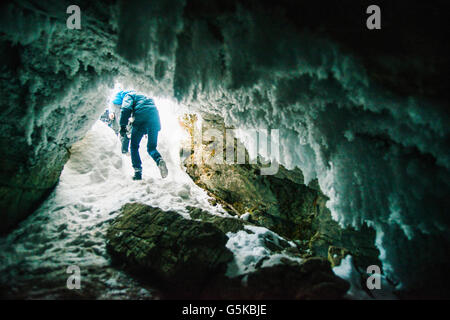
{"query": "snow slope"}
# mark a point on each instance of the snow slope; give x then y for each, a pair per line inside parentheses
(69, 227)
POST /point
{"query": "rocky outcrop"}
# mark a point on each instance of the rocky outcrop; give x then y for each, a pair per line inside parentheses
(189, 258)
(180, 253)
(312, 279)
(332, 241)
(280, 202)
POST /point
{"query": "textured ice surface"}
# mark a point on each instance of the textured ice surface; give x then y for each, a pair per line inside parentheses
(346, 270)
(379, 156)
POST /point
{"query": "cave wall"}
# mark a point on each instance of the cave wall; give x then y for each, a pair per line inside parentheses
(363, 112)
(280, 202)
(54, 83)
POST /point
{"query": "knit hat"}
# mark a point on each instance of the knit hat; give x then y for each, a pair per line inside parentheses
(119, 96)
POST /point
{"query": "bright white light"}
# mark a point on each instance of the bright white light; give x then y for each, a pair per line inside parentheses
(171, 134)
(117, 87)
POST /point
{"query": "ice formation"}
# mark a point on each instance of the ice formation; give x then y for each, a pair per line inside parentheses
(379, 148)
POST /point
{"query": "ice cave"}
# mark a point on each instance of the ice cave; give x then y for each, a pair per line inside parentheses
(355, 122)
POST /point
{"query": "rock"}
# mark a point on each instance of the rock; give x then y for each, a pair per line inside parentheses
(281, 203)
(224, 224)
(25, 182)
(182, 254)
(359, 243)
(312, 279)
(336, 254)
(188, 258)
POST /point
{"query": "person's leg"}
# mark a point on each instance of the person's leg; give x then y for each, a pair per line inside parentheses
(136, 135)
(152, 136)
(152, 143)
(125, 141)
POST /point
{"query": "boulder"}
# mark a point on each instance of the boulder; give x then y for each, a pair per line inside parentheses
(312, 279)
(189, 258)
(224, 224)
(180, 254)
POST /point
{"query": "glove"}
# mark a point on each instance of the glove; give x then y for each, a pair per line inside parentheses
(123, 131)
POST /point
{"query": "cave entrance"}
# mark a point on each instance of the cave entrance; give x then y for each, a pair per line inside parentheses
(170, 138)
(69, 227)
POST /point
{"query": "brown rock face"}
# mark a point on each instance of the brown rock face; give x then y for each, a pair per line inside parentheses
(280, 202)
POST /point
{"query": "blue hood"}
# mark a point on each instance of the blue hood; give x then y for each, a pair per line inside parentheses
(119, 96)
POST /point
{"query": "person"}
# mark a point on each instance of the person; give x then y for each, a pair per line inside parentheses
(114, 116)
(105, 117)
(146, 121)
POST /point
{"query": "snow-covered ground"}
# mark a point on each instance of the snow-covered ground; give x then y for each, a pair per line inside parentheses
(69, 227)
(249, 250)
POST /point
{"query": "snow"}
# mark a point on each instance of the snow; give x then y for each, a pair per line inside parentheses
(249, 250)
(347, 271)
(245, 216)
(69, 227)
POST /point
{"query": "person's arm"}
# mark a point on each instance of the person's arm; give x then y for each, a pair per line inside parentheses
(113, 109)
(127, 108)
(110, 112)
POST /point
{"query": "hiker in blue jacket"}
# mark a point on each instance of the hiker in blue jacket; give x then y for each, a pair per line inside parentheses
(114, 116)
(146, 121)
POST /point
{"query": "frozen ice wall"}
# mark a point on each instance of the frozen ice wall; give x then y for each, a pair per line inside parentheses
(364, 113)
(379, 152)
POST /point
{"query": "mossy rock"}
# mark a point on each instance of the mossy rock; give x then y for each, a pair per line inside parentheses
(336, 254)
(224, 224)
(312, 279)
(163, 245)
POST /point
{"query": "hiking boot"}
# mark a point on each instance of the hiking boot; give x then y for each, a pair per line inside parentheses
(162, 168)
(137, 175)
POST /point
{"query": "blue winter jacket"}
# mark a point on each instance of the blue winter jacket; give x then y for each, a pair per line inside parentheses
(143, 108)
